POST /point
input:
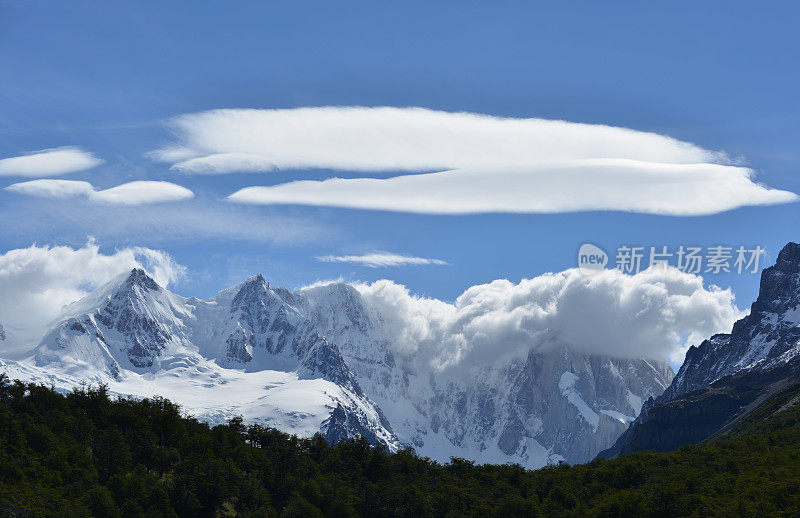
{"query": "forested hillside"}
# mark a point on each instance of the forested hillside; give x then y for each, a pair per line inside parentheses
(85, 453)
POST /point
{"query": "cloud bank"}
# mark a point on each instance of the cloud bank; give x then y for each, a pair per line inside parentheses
(38, 281)
(470, 163)
(380, 259)
(49, 162)
(131, 193)
(654, 314)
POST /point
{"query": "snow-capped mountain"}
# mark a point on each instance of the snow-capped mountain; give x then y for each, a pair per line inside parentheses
(542, 408)
(547, 406)
(322, 359)
(132, 331)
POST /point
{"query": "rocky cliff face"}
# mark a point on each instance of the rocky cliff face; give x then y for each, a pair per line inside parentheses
(767, 337)
(550, 406)
(542, 407)
(706, 413)
(728, 372)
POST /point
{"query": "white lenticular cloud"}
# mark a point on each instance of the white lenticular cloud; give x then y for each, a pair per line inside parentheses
(381, 259)
(38, 281)
(654, 314)
(49, 162)
(471, 163)
(605, 184)
(400, 139)
(131, 193)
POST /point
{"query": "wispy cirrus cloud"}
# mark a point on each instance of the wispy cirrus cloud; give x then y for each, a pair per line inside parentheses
(381, 260)
(160, 225)
(49, 162)
(131, 193)
(470, 163)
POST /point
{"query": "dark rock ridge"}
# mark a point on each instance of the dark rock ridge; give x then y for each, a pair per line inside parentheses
(727, 373)
(703, 414)
(344, 424)
(768, 336)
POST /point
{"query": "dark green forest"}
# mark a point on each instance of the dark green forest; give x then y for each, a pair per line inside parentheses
(86, 453)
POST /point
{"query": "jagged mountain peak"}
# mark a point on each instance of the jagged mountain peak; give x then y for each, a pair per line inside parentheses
(336, 297)
(129, 323)
(256, 279)
(789, 257)
(780, 284)
(257, 289)
(132, 327)
(252, 290)
(138, 277)
(131, 285)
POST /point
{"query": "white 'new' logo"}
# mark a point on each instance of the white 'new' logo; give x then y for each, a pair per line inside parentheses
(591, 258)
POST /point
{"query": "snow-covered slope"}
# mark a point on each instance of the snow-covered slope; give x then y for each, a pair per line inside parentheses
(322, 359)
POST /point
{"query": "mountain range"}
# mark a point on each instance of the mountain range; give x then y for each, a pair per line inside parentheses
(322, 359)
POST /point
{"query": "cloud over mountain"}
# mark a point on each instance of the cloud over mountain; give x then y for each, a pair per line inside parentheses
(654, 314)
(605, 184)
(36, 282)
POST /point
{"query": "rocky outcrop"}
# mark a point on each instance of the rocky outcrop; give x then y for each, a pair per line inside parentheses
(766, 337)
(727, 372)
(703, 414)
(344, 423)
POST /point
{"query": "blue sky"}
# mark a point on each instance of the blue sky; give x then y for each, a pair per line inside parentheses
(105, 77)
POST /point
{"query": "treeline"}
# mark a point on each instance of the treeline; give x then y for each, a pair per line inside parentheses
(85, 453)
